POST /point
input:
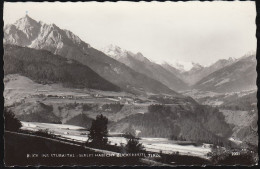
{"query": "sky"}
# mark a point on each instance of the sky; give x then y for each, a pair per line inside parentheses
(184, 32)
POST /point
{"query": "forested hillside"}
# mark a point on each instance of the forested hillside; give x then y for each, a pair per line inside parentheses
(246, 103)
(202, 124)
(38, 35)
(45, 67)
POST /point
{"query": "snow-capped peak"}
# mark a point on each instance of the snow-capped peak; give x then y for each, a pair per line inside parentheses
(114, 51)
(183, 66)
(196, 66)
(118, 53)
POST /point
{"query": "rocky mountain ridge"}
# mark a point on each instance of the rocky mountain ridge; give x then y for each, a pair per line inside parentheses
(30, 33)
(143, 65)
(238, 76)
(197, 72)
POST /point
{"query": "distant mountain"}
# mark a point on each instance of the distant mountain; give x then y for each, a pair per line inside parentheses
(30, 33)
(197, 72)
(180, 67)
(45, 67)
(183, 66)
(196, 67)
(143, 65)
(238, 76)
(115, 52)
(222, 63)
(176, 71)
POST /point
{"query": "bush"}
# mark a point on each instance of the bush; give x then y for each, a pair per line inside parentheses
(112, 107)
(86, 107)
(11, 122)
(44, 133)
(222, 156)
(133, 145)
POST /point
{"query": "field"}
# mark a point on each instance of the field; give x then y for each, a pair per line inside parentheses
(29, 101)
(218, 99)
(155, 145)
(20, 88)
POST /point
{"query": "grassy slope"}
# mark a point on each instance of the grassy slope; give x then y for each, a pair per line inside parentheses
(17, 147)
(19, 92)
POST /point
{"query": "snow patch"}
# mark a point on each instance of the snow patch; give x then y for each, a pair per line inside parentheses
(114, 51)
(223, 81)
(209, 81)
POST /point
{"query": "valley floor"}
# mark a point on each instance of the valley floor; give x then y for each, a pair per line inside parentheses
(155, 145)
(44, 105)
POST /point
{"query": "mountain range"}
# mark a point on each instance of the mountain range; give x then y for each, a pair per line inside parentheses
(143, 65)
(178, 79)
(131, 72)
(197, 72)
(38, 35)
(235, 77)
(40, 54)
